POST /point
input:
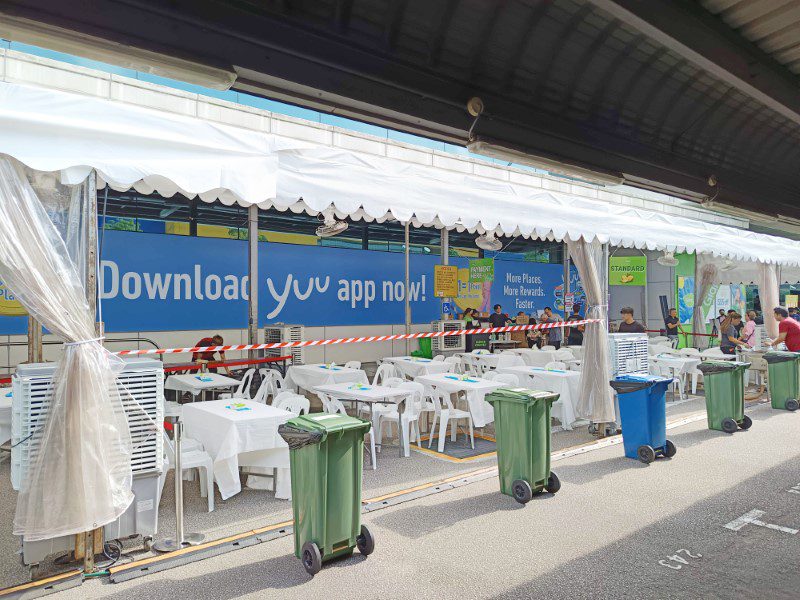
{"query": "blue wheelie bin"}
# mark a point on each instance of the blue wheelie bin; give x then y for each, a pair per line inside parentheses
(643, 412)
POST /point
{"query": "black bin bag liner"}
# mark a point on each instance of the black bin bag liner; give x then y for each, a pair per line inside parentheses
(628, 387)
(297, 438)
(780, 357)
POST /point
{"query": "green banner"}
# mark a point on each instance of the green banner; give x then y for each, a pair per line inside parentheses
(481, 270)
(627, 270)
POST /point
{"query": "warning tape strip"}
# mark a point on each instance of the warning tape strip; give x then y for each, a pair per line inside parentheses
(359, 340)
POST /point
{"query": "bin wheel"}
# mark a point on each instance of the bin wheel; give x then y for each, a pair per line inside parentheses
(553, 483)
(365, 542)
(792, 404)
(670, 450)
(646, 454)
(746, 423)
(729, 425)
(522, 491)
(592, 428)
(312, 558)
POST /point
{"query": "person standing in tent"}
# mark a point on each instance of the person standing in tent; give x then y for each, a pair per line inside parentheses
(788, 330)
(629, 325)
(673, 325)
(575, 336)
(554, 335)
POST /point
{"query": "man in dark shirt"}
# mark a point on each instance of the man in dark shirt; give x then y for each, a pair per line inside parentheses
(498, 318)
(575, 336)
(628, 325)
(672, 325)
(207, 357)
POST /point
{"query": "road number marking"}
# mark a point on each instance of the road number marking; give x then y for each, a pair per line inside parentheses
(795, 489)
(664, 562)
(752, 518)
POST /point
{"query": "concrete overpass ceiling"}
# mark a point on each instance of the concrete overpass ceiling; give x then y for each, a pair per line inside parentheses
(672, 93)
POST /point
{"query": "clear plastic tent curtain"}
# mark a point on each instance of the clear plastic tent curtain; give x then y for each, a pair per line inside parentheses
(706, 275)
(769, 294)
(81, 477)
(596, 402)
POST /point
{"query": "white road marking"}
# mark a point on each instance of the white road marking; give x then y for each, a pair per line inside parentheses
(751, 518)
(795, 489)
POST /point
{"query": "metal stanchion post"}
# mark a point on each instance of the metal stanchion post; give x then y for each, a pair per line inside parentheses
(180, 540)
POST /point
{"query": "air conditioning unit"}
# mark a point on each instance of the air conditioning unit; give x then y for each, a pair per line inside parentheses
(281, 333)
(144, 406)
(628, 353)
(448, 343)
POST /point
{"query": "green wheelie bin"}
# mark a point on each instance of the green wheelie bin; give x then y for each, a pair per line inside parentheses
(522, 429)
(326, 458)
(723, 382)
(783, 370)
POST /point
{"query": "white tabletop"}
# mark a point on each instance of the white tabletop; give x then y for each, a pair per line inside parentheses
(5, 414)
(678, 363)
(495, 361)
(229, 429)
(412, 366)
(567, 384)
(536, 358)
(195, 383)
(364, 392)
(308, 376)
(475, 389)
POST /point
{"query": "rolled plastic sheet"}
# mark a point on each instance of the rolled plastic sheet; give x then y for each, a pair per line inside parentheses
(81, 477)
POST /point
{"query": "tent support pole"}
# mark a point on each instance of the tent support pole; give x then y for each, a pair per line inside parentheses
(407, 295)
(34, 341)
(565, 289)
(445, 254)
(252, 271)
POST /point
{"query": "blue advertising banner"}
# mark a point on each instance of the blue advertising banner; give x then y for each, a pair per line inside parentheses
(156, 282)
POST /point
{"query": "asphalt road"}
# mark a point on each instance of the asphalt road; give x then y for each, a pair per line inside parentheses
(617, 529)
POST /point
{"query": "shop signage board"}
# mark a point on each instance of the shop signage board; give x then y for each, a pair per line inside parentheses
(627, 270)
(481, 270)
(445, 281)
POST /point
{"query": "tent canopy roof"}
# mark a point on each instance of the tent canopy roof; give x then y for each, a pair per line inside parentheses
(152, 151)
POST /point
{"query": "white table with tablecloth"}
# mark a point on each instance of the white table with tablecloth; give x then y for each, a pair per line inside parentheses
(474, 388)
(307, 377)
(240, 433)
(5, 414)
(676, 366)
(412, 366)
(567, 384)
(199, 382)
(536, 358)
(495, 361)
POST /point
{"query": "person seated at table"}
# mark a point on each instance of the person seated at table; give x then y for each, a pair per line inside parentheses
(730, 338)
(629, 325)
(534, 336)
(471, 319)
(575, 336)
(204, 358)
(498, 318)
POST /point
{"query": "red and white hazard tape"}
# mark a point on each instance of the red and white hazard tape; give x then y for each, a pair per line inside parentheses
(358, 340)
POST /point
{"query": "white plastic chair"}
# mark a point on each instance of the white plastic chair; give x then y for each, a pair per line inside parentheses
(469, 365)
(490, 376)
(384, 371)
(243, 391)
(438, 357)
(333, 406)
(564, 354)
(548, 348)
(294, 403)
(507, 379)
(193, 456)
(352, 364)
(274, 382)
(508, 360)
(455, 361)
(411, 415)
(556, 366)
(393, 381)
(444, 414)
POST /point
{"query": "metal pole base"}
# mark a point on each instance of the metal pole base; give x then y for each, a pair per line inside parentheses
(171, 544)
